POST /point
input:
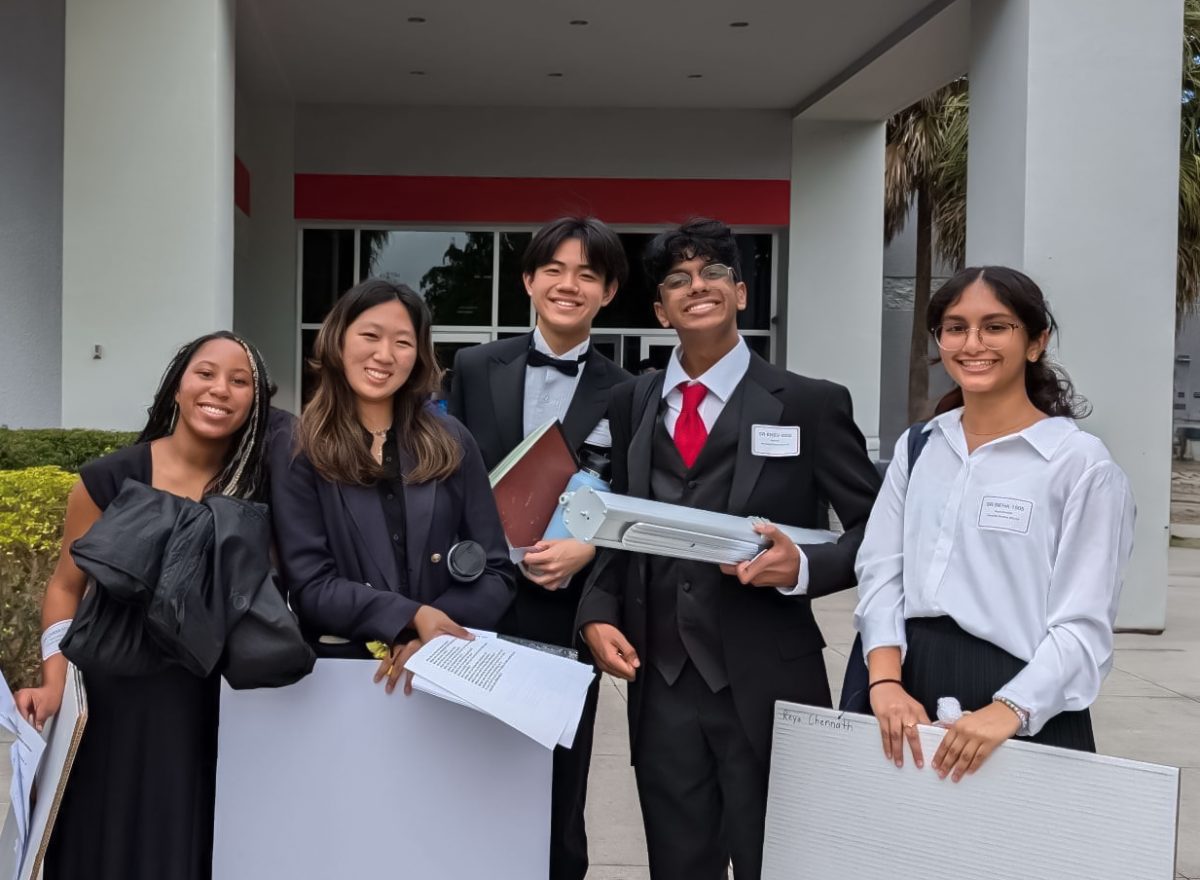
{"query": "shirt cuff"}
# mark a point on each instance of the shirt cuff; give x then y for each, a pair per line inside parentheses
(801, 587)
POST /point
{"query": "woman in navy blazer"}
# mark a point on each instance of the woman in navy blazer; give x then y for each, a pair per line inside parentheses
(372, 486)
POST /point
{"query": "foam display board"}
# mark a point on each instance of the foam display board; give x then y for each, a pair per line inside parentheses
(331, 777)
(838, 808)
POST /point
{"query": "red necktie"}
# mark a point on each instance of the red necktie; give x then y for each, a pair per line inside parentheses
(690, 432)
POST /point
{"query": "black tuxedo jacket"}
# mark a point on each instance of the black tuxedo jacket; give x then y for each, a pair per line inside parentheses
(772, 645)
(336, 554)
(487, 393)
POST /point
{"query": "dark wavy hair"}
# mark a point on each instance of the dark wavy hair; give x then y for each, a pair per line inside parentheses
(711, 240)
(330, 433)
(1047, 384)
(243, 473)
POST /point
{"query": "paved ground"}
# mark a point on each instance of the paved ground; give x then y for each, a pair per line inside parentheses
(1149, 710)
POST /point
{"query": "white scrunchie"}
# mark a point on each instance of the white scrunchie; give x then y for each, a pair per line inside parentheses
(52, 637)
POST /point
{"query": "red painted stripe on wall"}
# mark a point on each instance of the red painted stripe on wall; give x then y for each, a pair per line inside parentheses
(351, 197)
(241, 186)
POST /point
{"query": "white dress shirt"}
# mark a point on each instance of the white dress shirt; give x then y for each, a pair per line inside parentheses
(548, 391)
(1022, 542)
(721, 380)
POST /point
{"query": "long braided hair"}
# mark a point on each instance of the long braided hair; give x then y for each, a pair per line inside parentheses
(243, 474)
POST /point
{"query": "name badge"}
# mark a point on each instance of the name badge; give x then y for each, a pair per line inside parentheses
(1006, 514)
(775, 441)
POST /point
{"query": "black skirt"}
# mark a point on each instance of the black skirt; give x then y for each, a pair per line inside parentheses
(139, 801)
(943, 660)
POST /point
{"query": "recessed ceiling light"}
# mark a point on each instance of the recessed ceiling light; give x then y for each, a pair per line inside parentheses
(555, 75)
(739, 24)
(416, 73)
(416, 19)
(578, 22)
(695, 76)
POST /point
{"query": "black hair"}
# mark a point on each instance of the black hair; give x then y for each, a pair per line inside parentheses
(1047, 384)
(601, 247)
(710, 240)
(243, 474)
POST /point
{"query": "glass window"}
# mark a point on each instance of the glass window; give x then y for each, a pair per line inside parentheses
(514, 309)
(327, 271)
(308, 339)
(451, 269)
(755, 253)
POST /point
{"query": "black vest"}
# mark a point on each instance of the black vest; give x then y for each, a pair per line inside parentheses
(684, 597)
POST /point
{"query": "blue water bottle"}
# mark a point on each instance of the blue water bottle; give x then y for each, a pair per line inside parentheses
(594, 466)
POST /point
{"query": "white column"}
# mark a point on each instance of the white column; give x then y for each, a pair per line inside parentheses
(835, 260)
(1074, 148)
(147, 196)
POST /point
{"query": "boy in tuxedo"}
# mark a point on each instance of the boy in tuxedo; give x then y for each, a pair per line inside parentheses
(503, 391)
(708, 650)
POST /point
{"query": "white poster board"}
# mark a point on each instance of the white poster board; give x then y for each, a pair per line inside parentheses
(837, 808)
(333, 778)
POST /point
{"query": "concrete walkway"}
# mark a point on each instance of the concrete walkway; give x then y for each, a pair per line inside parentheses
(1149, 710)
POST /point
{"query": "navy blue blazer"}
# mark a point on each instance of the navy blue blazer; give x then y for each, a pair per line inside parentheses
(336, 554)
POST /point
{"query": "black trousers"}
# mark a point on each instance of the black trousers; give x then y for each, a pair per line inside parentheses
(702, 786)
(944, 660)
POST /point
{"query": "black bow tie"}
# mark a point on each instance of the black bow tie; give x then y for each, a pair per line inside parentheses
(567, 368)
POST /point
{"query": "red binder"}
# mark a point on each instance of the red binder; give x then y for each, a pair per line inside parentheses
(529, 482)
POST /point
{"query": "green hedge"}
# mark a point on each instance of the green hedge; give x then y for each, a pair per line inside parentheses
(32, 504)
(67, 449)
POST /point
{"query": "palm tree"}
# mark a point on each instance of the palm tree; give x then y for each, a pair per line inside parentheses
(925, 163)
(1187, 278)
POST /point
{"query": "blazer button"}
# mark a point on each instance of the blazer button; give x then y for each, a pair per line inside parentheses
(435, 558)
(687, 586)
(691, 484)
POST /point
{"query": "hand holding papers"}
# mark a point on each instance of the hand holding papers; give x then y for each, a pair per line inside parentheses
(644, 526)
(538, 693)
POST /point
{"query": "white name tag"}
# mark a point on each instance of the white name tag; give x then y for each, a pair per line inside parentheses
(775, 441)
(1007, 514)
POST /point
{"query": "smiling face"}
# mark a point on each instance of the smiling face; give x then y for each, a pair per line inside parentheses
(216, 391)
(703, 305)
(567, 292)
(379, 349)
(993, 352)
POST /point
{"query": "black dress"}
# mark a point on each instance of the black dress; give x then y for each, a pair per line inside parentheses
(139, 801)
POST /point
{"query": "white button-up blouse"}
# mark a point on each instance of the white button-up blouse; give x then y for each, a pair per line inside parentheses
(1023, 543)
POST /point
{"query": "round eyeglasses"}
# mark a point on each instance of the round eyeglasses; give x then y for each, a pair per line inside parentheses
(993, 334)
(710, 272)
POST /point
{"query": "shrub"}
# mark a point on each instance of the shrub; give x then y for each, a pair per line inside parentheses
(32, 504)
(67, 449)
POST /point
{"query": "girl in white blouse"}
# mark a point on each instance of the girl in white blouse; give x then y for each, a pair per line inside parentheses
(991, 574)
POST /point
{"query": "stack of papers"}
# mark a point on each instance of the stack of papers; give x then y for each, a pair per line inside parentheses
(25, 754)
(537, 693)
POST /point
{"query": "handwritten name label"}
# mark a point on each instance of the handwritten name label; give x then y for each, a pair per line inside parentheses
(812, 719)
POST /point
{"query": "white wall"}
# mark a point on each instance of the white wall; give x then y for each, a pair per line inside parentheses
(836, 260)
(31, 131)
(516, 142)
(1084, 198)
(147, 196)
(265, 242)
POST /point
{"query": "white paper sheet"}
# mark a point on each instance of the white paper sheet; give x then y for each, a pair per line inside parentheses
(537, 693)
(25, 755)
(837, 808)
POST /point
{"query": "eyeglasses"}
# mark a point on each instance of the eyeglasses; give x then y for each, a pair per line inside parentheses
(711, 272)
(994, 335)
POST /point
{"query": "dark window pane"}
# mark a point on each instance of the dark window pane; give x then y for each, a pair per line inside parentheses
(755, 253)
(760, 345)
(514, 301)
(452, 270)
(327, 271)
(633, 306)
(445, 352)
(308, 383)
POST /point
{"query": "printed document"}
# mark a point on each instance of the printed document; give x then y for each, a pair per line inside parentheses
(537, 693)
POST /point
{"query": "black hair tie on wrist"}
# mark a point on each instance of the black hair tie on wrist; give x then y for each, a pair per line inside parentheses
(884, 681)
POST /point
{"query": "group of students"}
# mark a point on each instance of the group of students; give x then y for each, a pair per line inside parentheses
(988, 568)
